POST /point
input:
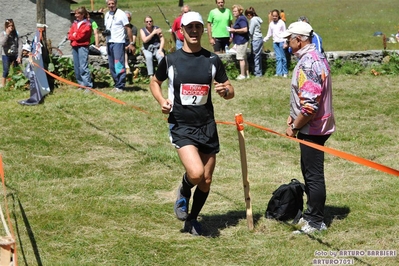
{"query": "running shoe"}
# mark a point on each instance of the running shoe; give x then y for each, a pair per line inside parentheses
(181, 206)
(193, 227)
(308, 229)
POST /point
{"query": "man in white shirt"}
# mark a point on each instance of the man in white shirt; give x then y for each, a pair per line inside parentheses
(116, 24)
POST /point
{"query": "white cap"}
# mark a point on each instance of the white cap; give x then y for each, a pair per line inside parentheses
(191, 17)
(300, 28)
(26, 47)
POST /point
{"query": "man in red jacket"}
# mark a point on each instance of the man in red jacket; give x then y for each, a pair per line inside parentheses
(176, 33)
(79, 35)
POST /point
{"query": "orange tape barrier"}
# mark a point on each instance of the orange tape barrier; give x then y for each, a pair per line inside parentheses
(337, 153)
(91, 89)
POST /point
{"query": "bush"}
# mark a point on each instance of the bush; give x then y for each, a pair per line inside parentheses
(346, 67)
(389, 66)
(18, 81)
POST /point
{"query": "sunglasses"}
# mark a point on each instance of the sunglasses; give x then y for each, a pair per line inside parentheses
(290, 39)
(149, 21)
(9, 20)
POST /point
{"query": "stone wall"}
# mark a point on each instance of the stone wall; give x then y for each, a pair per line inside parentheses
(365, 58)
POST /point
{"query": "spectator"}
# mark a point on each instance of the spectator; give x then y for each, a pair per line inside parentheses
(94, 48)
(276, 27)
(130, 52)
(192, 125)
(255, 34)
(311, 119)
(79, 34)
(269, 16)
(287, 53)
(153, 44)
(11, 52)
(35, 90)
(177, 36)
(219, 20)
(282, 15)
(116, 27)
(240, 39)
(317, 40)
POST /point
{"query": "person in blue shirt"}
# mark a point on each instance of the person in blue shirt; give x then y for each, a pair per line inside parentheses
(317, 40)
(240, 39)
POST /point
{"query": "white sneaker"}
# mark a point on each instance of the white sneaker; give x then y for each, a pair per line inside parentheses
(308, 229)
(285, 76)
(117, 90)
(240, 77)
(302, 222)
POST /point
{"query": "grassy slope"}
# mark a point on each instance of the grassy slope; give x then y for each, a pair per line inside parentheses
(93, 183)
(96, 180)
(344, 25)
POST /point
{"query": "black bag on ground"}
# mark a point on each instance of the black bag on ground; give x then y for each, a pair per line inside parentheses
(286, 202)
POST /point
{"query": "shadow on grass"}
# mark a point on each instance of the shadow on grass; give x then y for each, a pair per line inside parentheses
(128, 88)
(335, 213)
(134, 88)
(29, 231)
(212, 224)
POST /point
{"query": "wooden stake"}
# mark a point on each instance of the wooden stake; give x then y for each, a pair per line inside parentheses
(8, 247)
(244, 169)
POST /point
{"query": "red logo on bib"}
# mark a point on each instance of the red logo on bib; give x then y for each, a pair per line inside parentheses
(194, 89)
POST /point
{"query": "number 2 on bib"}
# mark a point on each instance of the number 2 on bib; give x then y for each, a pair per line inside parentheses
(194, 94)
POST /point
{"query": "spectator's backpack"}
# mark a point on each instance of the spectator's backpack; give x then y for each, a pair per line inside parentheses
(286, 202)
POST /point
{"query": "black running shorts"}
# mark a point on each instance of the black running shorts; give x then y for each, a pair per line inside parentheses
(205, 137)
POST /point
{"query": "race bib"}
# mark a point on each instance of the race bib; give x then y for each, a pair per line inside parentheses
(194, 94)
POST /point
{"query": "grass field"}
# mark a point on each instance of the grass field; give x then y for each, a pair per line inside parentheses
(92, 182)
(343, 25)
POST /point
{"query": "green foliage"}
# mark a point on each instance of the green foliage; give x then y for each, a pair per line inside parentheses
(18, 79)
(389, 66)
(232, 69)
(101, 75)
(62, 67)
(270, 67)
(339, 67)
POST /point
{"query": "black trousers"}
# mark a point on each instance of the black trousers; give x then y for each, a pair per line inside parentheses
(312, 166)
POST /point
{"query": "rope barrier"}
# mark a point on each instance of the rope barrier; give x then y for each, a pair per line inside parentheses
(332, 151)
(91, 89)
